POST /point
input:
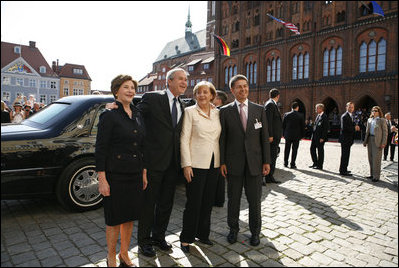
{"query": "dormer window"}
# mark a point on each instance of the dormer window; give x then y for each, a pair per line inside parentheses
(77, 71)
(17, 50)
(42, 69)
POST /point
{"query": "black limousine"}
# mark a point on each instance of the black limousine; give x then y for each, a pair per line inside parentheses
(52, 152)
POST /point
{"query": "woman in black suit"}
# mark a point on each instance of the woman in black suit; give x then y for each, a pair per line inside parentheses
(119, 165)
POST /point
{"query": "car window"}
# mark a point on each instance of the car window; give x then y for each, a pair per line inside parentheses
(95, 125)
(48, 113)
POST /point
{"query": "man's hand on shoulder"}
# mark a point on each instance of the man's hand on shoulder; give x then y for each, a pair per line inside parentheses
(111, 106)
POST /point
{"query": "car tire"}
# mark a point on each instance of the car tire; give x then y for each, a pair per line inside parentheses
(77, 188)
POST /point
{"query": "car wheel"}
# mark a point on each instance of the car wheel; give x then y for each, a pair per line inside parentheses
(77, 188)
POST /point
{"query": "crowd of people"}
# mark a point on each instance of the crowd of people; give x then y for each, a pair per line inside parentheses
(22, 108)
(141, 150)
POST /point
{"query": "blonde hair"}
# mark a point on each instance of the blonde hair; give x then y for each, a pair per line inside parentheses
(205, 84)
(379, 110)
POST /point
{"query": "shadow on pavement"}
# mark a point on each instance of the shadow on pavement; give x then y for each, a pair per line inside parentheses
(316, 207)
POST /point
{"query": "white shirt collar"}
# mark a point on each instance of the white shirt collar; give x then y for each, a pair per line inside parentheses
(238, 103)
(170, 95)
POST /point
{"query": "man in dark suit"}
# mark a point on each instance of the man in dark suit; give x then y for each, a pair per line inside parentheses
(275, 130)
(347, 135)
(319, 137)
(244, 156)
(293, 132)
(219, 101)
(392, 128)
(162, 112)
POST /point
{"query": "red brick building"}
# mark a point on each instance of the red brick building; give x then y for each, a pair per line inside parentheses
(344, 52)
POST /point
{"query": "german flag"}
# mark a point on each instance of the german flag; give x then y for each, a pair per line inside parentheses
(223, 45)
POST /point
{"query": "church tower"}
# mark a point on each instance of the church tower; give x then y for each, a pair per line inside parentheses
(188, 24)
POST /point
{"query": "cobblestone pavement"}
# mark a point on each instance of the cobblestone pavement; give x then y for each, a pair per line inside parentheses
(313, 218)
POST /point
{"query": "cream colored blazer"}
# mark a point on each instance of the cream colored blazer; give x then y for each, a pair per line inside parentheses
(380, 131)
(200, 138)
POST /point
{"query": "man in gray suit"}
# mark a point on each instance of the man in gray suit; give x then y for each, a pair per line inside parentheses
(244, 156)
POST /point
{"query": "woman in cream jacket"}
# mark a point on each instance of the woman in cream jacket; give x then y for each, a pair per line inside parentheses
(376, 140)
(200, 160)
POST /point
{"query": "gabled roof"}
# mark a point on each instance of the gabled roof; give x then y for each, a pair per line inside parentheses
(192, 42)
(208, 60)
(147, 80)
(193, 62)
(67, 71)
(31, 54)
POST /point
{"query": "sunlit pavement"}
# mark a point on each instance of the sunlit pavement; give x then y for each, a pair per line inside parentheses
(313, 218)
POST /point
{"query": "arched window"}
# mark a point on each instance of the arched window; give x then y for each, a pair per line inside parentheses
(226, 76)
(230, 72)
(255, 73)
(235, 70)
(372, 56)
(325, 62)
(300, 66)
(294, 67)
(278, 69)
(382, 48)
(269, 71)
(306, 72)
(363, 57)
(273, 70)
(247, 67)
(332, 61)
(339, 61)
(251, 73)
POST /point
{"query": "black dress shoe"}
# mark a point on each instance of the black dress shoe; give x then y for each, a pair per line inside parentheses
(254, 240)
(313, 166)
(163, 245)
(147, 250)
(206, 241)
(369, 177)
(345, 174)
(374, 180)
(286, 165)
(271, 179)
(318, 168)
(185, 249)
(293, 166)
(232, 237)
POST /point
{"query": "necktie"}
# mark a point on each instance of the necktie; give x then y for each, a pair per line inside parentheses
(243, 117)
(174, 113)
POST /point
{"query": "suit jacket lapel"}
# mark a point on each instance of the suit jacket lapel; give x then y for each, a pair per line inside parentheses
(182, 106)
(251, 115)
(166, 108)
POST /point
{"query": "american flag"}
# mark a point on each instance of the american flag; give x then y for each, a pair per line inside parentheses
(289, 25)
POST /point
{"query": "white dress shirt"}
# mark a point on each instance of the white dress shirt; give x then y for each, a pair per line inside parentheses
(171, 97)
